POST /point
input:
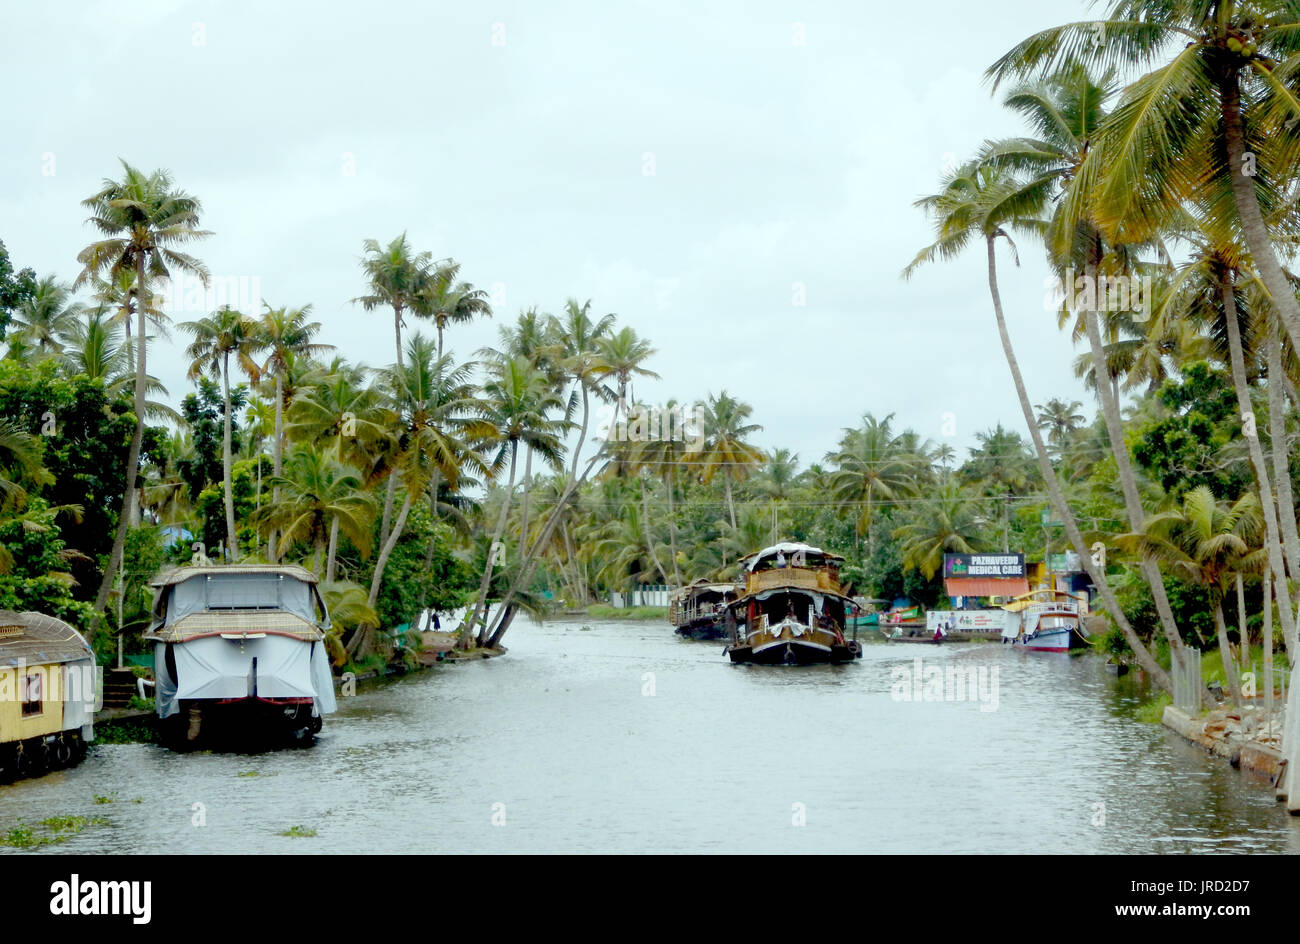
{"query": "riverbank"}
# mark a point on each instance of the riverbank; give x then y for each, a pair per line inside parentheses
(1247, 739)
(603, 611)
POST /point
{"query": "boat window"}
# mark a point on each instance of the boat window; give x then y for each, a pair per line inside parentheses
(33, 694)
(244, 591)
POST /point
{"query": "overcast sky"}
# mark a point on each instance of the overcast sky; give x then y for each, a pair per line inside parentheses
(691, 171)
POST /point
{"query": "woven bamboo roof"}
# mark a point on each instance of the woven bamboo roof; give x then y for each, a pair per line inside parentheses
(276, 622)
(43, 640)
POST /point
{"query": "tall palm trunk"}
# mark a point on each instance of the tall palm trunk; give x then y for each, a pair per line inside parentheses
(277, 456)
(1225, 653)
(486, 580)
(528, 487)
(1281, 461)
(1098, 576)
(528, 561)
(1128, 482)
(672, 530)
(649, 537)
(232, 539)
(1286, 615)
(731, 505)
(1253, 227)
(390, 493)
(1241, 388)
(359, 644)
(333, 551)
(133, 452)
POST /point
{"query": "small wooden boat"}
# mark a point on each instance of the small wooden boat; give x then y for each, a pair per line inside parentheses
(1045, 621)
(698, 610)
(48, 694)
(791, 610)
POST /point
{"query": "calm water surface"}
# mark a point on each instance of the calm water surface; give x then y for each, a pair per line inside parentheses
(563, 733)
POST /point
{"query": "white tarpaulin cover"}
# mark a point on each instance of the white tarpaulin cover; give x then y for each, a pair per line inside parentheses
(165, 693)
(213, 667)
(79, 697)
(324, 680)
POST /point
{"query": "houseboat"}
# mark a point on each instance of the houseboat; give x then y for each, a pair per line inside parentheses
(239, 654)
(1045, 621)
(48, 691)
(791, 609)
(698, 610)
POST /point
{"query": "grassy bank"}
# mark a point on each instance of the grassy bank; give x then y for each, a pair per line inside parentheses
(605, 611)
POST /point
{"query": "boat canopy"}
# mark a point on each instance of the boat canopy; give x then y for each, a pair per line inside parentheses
(789, 548)
(37, 639)
(818, 597)
(242, 599)
(1039, 596)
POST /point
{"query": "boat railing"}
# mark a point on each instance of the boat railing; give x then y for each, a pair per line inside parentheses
(1058, 606)
(802, 577)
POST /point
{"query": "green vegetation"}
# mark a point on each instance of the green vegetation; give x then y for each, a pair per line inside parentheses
(72, 824)
(24, 837)
(298, 832)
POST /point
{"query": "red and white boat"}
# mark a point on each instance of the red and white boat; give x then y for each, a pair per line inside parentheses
(1045, 621)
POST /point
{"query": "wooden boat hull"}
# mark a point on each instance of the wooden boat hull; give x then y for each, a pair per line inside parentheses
(1057, 640)
(713, 629)
(795, 652)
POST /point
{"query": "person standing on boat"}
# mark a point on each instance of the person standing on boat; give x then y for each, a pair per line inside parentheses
(780, 558)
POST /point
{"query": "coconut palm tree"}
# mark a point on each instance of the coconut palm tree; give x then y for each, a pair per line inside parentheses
(980, 202)
(321, 499)
(1209, 543)
(948, 524)
(447, 301)
(1067, 110)
(397, 276)
(285, 334)
(1060, 420)
(144, 218)
(621, 357)
(47, 316)
(520, 404)
(573, 353)
(725, 449)
(873, 469)
(437, 424)
(1222, 71)
(224, 334)
(93, 347)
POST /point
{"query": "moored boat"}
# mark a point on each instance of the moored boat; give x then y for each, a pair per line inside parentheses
(48, 694)
(1045, 621)
(698, 610)
(239, 654)
(791, 610)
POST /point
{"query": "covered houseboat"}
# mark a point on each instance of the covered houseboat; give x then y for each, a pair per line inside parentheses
(48, 694)
(698, 610)
(1045, 621)
(791, 610)
(239, 653)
